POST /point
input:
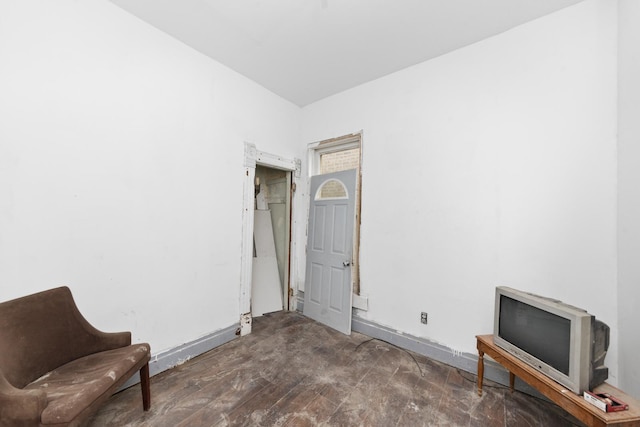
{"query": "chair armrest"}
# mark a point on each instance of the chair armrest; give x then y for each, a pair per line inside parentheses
(20, 407)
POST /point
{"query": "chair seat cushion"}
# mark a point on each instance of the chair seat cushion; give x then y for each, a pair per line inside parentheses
(73, 387)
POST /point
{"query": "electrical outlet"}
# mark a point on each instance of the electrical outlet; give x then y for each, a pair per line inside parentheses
(423, 317)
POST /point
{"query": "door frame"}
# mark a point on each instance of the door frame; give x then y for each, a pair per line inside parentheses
(253, 157)
(314, 151)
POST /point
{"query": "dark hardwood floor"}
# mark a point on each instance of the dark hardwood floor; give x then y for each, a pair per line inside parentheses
(292, 371)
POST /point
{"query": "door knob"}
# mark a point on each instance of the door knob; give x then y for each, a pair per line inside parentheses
(346, 263)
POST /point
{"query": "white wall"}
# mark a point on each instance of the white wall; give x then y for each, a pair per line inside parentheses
(121, 162)
(491, 165)
(121, 152)
(629, 194)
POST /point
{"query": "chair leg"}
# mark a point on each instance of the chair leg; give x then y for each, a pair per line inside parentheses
(146, 389)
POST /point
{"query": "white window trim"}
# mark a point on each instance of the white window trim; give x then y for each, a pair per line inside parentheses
(317, 149)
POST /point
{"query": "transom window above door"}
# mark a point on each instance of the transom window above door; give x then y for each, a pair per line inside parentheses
(331, 189)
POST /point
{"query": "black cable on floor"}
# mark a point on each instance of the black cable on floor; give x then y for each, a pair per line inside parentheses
(393, 345)
(460, 372)
(500, 386)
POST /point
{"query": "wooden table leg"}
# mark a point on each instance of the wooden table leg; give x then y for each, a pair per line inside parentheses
(480, 371)
(145, 386)
(512, 380)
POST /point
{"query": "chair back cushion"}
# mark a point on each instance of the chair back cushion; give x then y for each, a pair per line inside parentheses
(41, 332)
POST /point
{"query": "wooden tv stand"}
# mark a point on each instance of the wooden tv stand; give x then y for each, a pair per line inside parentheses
(566, 399)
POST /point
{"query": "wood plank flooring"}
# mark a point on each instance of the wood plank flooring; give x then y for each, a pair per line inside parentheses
(292, 371)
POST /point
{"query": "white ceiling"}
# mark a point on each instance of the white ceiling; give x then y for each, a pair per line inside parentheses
(306, 50)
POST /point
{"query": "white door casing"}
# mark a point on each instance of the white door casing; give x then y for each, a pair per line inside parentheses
(253, 157)
(328, 285)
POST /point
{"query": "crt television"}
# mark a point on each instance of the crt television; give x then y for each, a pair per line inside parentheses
(561, 341)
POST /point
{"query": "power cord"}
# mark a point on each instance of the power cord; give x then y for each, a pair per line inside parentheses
(465, 376)
(565, 415)
(393, 345)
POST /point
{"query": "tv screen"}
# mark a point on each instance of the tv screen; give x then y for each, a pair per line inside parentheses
(540, 333)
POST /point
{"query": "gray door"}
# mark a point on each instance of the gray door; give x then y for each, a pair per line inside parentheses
(328, 285)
